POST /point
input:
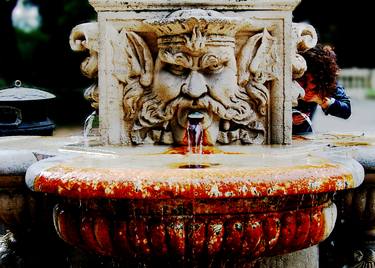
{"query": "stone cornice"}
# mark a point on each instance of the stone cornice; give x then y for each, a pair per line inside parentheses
(116, 5)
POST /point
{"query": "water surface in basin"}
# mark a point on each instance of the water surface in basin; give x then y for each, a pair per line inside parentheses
(229, 171)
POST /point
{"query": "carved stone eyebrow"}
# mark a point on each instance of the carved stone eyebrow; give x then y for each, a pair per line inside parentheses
(179, 58)
(212, 59)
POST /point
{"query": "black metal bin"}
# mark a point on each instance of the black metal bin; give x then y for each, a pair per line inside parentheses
(24, 111)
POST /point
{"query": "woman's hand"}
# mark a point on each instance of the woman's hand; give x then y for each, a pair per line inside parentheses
(326, 102)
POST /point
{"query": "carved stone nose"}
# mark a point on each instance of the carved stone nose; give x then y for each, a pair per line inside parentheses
(196, 85)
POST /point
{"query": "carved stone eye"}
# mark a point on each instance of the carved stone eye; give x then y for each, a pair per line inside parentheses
(214, 68)
(177, 69)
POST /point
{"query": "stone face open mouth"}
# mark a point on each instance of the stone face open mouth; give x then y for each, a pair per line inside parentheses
(195, 117)
(194, 129)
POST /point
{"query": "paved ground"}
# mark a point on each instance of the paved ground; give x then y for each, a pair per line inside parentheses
(362, 118)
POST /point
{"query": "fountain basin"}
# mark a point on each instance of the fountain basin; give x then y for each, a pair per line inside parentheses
(144, 203)
(140, 173)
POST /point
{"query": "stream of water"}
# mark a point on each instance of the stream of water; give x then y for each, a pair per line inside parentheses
(88, 127)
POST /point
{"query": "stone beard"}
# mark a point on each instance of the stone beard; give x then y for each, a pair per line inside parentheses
(197, 73)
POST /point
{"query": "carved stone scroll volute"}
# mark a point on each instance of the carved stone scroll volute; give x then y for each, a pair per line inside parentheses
(84, 37)
(305, 37)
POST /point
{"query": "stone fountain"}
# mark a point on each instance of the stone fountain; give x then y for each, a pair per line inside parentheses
(194, 164)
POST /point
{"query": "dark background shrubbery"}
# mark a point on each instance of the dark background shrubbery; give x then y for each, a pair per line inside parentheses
(43, 58)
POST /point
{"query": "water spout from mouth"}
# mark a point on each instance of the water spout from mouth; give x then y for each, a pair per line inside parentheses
(195, 132)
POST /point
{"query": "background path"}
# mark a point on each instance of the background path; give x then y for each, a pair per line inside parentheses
(362, 118)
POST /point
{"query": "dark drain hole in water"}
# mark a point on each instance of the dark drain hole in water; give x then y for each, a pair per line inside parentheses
(194, 166)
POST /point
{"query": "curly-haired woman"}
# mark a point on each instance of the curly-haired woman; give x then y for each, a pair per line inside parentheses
(321, 88)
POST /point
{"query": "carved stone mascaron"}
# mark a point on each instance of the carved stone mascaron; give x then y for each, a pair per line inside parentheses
(155, 68)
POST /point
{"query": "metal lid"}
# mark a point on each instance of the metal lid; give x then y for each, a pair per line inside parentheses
(19, 93)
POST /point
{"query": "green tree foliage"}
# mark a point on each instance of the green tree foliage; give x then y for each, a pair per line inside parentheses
(8, 48)
(346, 25)
(43, 58)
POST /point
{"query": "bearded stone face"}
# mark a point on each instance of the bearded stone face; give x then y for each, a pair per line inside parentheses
(195, 82)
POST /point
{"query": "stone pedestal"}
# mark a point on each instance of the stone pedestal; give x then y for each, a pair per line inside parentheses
(27, 238)
(305, 258)
(358, 221)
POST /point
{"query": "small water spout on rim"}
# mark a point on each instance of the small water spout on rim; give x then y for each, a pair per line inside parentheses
(87, 127)
(307, 119)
